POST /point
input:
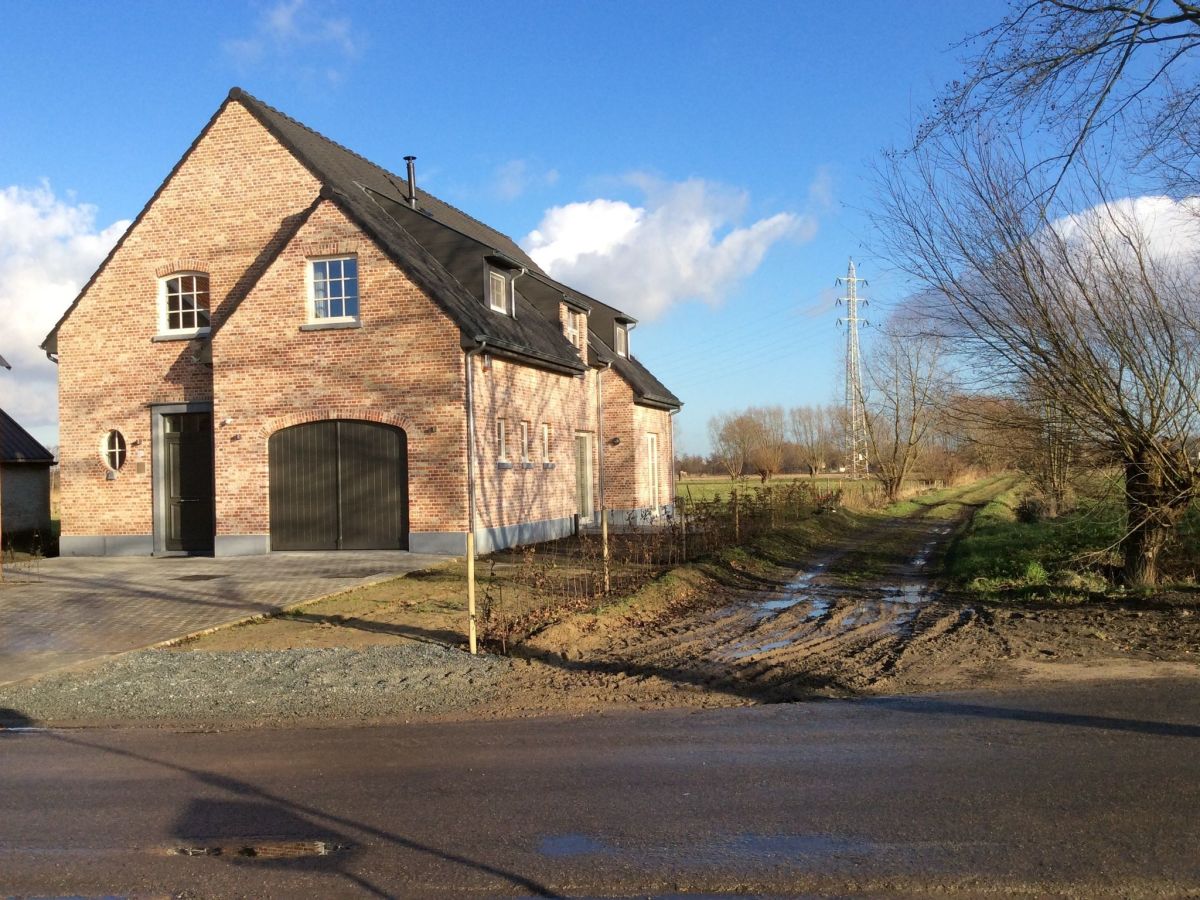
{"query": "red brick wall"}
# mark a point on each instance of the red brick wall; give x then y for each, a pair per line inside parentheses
(404, 366)
(221, 208)
(626, 476)
(518, 393)
(232, 202)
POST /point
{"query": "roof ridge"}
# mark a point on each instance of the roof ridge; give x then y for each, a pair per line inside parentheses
(237, 93)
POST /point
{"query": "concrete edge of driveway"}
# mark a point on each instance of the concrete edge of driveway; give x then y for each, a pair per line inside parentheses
(95, 662)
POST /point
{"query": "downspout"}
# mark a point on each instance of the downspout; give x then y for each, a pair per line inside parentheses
(473, 639)
(523, 271)
(600, 434)
(671, 414)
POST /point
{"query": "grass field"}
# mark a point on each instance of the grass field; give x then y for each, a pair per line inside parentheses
(706, 487)
(1065, 558)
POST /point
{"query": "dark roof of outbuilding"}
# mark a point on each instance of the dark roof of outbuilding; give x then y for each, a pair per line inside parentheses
(18, 446)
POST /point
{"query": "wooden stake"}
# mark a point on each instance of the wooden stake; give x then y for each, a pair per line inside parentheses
(604, 548)
(472, 637)
(683, 524)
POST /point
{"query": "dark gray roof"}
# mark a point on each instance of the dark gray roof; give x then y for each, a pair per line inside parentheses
(4, 363)
(18, 446)
(437, 245)
(445, 251)
(647, 390)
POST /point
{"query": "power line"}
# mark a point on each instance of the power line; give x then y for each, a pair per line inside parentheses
(856, 416)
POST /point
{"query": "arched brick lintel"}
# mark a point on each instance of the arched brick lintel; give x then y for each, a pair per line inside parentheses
(321, 415)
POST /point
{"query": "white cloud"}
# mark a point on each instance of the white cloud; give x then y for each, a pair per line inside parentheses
(1168, 229)
(681, 244)
(49, 247)
(287, 34)
(515, 177)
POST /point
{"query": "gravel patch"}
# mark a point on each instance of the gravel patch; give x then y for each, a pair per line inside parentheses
(262, 687)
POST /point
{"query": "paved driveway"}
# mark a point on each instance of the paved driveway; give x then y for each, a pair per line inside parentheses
(59, 612)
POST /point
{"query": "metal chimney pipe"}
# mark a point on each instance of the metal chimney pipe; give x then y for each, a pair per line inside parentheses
(412, 181)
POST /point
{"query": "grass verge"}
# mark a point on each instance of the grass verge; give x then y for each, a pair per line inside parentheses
(1068, 559)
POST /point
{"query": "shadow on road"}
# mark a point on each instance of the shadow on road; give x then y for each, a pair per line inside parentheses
(933, 706)
(257, 809)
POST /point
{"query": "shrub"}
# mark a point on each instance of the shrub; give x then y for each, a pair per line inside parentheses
(1030, 510)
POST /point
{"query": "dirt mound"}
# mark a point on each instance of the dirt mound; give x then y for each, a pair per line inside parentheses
(864, 618)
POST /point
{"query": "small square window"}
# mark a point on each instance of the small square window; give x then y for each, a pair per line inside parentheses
(498, 285)
(333, 289)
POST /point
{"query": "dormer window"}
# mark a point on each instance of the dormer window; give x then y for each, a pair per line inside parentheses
(333, 289)
(622, 340)
(573, 327)
(183, 304)
(499, 291)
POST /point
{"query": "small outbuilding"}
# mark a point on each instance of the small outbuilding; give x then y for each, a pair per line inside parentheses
(24, 483)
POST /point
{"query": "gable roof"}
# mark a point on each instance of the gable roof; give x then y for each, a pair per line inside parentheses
(374, 199)
(18, 446)
(444, 250)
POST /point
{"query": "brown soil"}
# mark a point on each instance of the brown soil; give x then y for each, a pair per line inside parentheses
(863, 616)
(832, 631)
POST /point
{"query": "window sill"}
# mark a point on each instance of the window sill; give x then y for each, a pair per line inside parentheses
(548, 465)
(526, 464)
(503, 464)
(181, 335)
(332, 325)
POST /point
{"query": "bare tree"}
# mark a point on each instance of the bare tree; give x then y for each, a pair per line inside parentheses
(905, 379)
(1079, 67)
(767, 429)
(813, 431)
(1075, 306)
(730, 437)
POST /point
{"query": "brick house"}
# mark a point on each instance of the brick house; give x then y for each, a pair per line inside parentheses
(292, 348)
(24, 482)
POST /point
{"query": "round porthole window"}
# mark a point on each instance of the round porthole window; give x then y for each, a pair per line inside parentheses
(113, 450)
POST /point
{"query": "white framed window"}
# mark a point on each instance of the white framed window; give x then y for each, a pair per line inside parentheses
(333, 289)
(652, 483)
(113, 450)
(501, 440)
(498, 291)
(622, 340)
(546, 442)
(573, 327)
(183, 303)
(525, 441)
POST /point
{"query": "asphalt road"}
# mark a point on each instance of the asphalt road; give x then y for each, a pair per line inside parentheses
(1089, 790)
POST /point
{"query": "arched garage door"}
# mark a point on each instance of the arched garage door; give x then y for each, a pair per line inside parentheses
(339, 485)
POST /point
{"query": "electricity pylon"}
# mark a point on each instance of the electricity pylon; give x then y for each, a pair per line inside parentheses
(856, 415)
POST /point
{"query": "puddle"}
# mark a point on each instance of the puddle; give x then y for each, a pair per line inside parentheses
(560, 845)
(820, 609)
(768, 608)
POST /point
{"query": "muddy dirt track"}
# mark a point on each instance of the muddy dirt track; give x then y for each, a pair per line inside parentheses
(865, 617)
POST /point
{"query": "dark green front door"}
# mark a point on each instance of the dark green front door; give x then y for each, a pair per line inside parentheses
(188, 479)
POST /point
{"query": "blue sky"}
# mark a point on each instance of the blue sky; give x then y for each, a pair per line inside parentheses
(705, 164)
